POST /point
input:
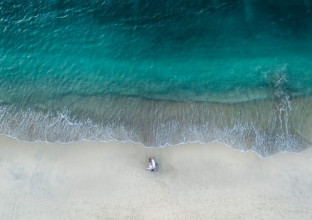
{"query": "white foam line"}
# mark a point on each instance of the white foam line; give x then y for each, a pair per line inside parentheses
(160, 147)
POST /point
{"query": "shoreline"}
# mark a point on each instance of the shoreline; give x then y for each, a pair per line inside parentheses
(87, 180)
(223, 144)
(264, 127)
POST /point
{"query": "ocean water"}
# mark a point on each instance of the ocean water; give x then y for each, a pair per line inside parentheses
(158, 72)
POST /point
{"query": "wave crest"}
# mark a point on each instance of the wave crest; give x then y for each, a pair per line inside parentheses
(266, 127)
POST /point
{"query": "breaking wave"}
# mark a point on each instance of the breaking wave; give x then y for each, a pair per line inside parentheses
(266, 127)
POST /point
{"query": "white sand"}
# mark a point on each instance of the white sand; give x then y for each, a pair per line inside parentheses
(109, 181)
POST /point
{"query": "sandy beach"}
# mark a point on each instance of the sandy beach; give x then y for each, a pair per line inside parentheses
(108, 181)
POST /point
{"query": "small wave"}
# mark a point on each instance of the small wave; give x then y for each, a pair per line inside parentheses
(266, 127)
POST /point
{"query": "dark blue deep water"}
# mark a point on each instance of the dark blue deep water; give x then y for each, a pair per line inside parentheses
(158, 72)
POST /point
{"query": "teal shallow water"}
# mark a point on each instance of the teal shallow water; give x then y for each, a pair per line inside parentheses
(168, 73)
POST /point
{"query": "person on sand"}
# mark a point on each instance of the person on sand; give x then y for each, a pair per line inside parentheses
(151, 164)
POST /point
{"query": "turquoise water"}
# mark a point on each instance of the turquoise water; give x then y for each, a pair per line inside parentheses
(160, 73)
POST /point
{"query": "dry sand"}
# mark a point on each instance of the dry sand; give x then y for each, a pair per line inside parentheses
(109, 181)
